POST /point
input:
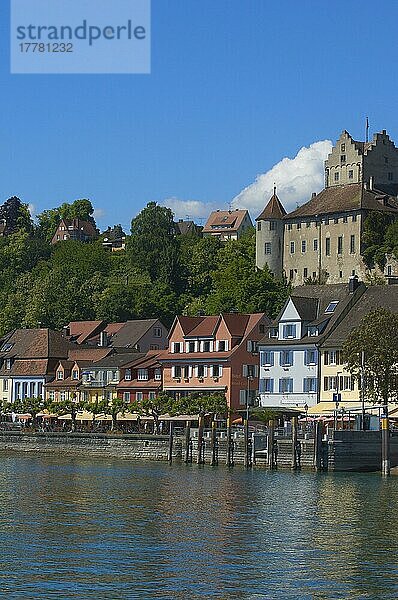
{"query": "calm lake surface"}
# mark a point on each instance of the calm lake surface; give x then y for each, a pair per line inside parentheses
(76, 528)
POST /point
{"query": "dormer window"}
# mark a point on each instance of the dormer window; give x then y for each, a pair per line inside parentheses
(331, 307)
(6, 347)
(75, 374)
(60, 375)
(312, 331)
(221, 346)
(8, 364)
(142, 375)
(273, 332)
(127, 375)
(191, 346)
(289, 331)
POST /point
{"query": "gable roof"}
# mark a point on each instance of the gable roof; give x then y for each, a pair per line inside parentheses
(225, 220)
(273, 210)
(37, 344)
(81, 331)
(131, 332)
(376, 296)
(345, 198)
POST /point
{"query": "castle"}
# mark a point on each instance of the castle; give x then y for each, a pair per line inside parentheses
(322, 240)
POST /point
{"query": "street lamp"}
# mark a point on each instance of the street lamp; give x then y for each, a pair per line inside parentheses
(306, 415)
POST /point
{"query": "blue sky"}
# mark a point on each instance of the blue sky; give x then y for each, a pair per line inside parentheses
(236, 85)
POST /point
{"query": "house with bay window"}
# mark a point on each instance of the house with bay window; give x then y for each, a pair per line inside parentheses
(290, 367)
(214, 354)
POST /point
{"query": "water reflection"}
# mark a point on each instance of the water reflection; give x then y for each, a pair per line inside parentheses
(113, 529)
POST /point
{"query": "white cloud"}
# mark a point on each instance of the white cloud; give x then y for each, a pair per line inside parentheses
(32, 209)
(194, 209)
(99, 213)
(296, 178)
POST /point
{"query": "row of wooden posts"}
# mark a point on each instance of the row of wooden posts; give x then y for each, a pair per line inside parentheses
(249, 455)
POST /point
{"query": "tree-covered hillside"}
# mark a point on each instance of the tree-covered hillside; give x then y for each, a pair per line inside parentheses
(159, 275)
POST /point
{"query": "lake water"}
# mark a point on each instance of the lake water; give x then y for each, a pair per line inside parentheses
(109, 529)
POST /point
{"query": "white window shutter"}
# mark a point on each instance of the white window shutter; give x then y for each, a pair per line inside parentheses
(190, 371)
(205, 370)
(226, 346)
(211, 371)
(173, 372)
(244, 370)
(196, 371)
(217, 345)
(220, 370)
(211, 346)
(255, 370)
(242, 397)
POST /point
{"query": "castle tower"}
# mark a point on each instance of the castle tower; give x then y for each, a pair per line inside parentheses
(269, 236)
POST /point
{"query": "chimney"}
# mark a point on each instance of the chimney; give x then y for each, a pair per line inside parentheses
(313, 195)
(353, 283)
(66, 331)
(103, 339)
(371, 183)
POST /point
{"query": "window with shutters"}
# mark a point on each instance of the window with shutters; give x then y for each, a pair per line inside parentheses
(139, 396)
(267, 386)
(126, 396)
(158, 374)
(286, 358)
(177, 371)
(127, 375)
(216, 371)
(289, 331)
(201, 370)
(286, 385)
(267, 358)
(309, 385)
(310, 357)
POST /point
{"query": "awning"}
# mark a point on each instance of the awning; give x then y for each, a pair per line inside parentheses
(80, 416)
(329, 408)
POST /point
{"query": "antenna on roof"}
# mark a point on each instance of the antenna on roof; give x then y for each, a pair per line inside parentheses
(367, 130)
(274, 188)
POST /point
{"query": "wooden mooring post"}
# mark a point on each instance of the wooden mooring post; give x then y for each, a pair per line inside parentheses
(170, 450)
(214, 453)
(318, 462)
(294, 443)
(229, 458)
(199, 458)
(271, 463)
(188, 447)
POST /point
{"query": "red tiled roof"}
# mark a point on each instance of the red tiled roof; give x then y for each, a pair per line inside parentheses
(236, 323)
(83, 330)
(205, 328)
(88, 354)
(218, 219)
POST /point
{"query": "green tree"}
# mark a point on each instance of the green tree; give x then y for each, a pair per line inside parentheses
(161, 405)
(376, 337)
(71, 405)
(198, 403)
(49, 220)
(153, 247)
(374, 230)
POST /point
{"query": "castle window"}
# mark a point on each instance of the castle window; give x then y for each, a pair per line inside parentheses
(336, 220)
(305, 273)
(313, 274)
(352, 244)
(291, 274)
(259, 226)
(336, 176)
(298, 225)
(345, 219)
(340, 244)
(354, 218)
(292, 247)
(316, 245)
(327, 246)
(350, 174)
(342, 148)
(272, 225)
(341, 274)
(389, 273)
(390, 176)
(343, 158)
(303, 246)
(289, 226)
(267, 248)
